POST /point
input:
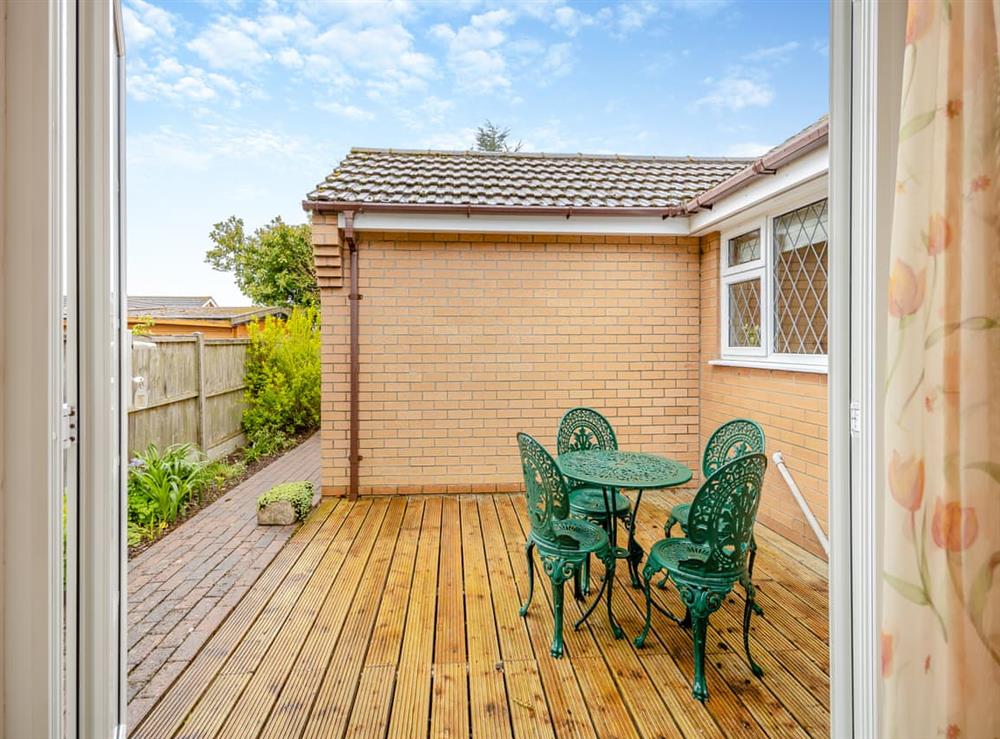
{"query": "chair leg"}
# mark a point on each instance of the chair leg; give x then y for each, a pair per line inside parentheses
(585, 576)
(647, 575)
(667, 528)
(577, 588)
(753, 555)
(557, 608)
(609, 576)
(528, 547)
(700, 628)
(748, 609)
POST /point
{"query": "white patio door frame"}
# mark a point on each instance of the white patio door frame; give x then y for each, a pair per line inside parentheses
(62, 221)
(864, 45)
(866, 54)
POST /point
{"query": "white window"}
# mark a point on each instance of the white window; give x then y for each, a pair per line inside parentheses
(773, 290)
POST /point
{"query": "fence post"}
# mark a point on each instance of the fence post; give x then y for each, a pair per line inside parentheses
(202, 416)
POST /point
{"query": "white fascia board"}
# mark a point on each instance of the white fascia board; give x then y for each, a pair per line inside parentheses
(798, 175)
(456, 222)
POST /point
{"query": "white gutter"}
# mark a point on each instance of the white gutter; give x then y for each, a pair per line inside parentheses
(806, 510)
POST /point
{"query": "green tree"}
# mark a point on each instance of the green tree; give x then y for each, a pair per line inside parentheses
(490, 137)
(273, 265)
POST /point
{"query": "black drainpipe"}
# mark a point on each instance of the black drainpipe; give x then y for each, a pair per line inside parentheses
(354, 298)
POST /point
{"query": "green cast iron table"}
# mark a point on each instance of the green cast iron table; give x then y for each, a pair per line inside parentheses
(611, 469)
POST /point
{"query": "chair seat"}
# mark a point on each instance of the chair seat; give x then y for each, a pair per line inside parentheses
(574, 536)
(680, 513)
(590, 502)
(684, 557)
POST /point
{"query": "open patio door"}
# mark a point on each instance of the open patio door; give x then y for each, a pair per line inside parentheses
(103, 369)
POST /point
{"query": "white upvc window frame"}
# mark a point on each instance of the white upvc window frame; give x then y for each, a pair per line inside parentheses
(763, 356)
(755, 269)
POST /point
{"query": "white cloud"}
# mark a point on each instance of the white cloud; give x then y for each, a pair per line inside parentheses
(475, 56)
(200, 147)
(226, 46)
(558, 61)
(735, 92)
(351, 112)
(633, 16)
(289, 57)
(461, 139)
(384, 55)
(431, 112)
(570, 20)
(144, 21)
(174, 82)
(775, 54)
(747, 149)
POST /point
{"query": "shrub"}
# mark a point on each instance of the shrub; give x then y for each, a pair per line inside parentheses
(283, 381)
(161, 485)
(299, 494)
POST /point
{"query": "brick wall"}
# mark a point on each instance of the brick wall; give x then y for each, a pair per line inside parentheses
(791, 407)
(468, 338)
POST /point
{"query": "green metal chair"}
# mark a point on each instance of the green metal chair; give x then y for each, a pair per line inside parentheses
(563, 543)
(731, 440)
(713, 558)
(580, 429)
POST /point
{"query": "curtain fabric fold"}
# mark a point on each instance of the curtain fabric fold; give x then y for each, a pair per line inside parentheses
(941, 546)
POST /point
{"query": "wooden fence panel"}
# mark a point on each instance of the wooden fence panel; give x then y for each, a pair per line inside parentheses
(187, 389)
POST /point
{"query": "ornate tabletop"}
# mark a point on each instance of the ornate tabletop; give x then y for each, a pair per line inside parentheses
(610, 468)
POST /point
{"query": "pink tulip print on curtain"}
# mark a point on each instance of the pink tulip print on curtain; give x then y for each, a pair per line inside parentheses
(941, 546)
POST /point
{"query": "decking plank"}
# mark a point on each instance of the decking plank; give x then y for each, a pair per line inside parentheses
(411, 704)
(487, 688)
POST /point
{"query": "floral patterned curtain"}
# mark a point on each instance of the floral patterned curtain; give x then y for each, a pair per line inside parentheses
(941, 593)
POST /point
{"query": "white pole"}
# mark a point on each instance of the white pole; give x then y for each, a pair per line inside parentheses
(806, 510)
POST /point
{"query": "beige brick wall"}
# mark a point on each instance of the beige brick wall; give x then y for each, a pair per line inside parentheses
(791, 406)
(468, 338)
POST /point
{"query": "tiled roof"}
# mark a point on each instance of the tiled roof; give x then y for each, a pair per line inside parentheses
(235, 314)
(149, 302)
(466, 178)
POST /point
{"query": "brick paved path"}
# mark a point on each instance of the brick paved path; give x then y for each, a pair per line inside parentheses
(184, 586)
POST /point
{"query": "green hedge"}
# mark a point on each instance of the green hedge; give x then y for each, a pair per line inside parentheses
(299, 494)
(283, 381)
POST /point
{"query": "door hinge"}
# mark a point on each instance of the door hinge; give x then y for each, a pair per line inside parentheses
(69, 425)
(855, 419)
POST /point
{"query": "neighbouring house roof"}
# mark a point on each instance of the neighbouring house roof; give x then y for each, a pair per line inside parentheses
(232, 315)
(148, 302)
(570, 184)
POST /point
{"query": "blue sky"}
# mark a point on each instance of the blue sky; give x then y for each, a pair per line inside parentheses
(240, 107)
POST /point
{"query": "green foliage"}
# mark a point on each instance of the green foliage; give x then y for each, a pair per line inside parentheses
(490, 137)
(161, 486)
(273, 265)
(283, 382)
(143, 325)
(299, 494)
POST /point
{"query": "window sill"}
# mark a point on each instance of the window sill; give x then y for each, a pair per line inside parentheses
(769, 364)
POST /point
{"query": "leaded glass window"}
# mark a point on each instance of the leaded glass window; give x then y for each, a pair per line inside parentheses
(800, 280)
(744, 248)
(744, 313)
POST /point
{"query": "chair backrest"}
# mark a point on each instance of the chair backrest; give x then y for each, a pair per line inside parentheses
(584, 428)
(724, 510)
(548, 499)
(731, 440)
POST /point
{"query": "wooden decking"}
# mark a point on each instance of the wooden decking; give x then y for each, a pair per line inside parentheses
(398, 617)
